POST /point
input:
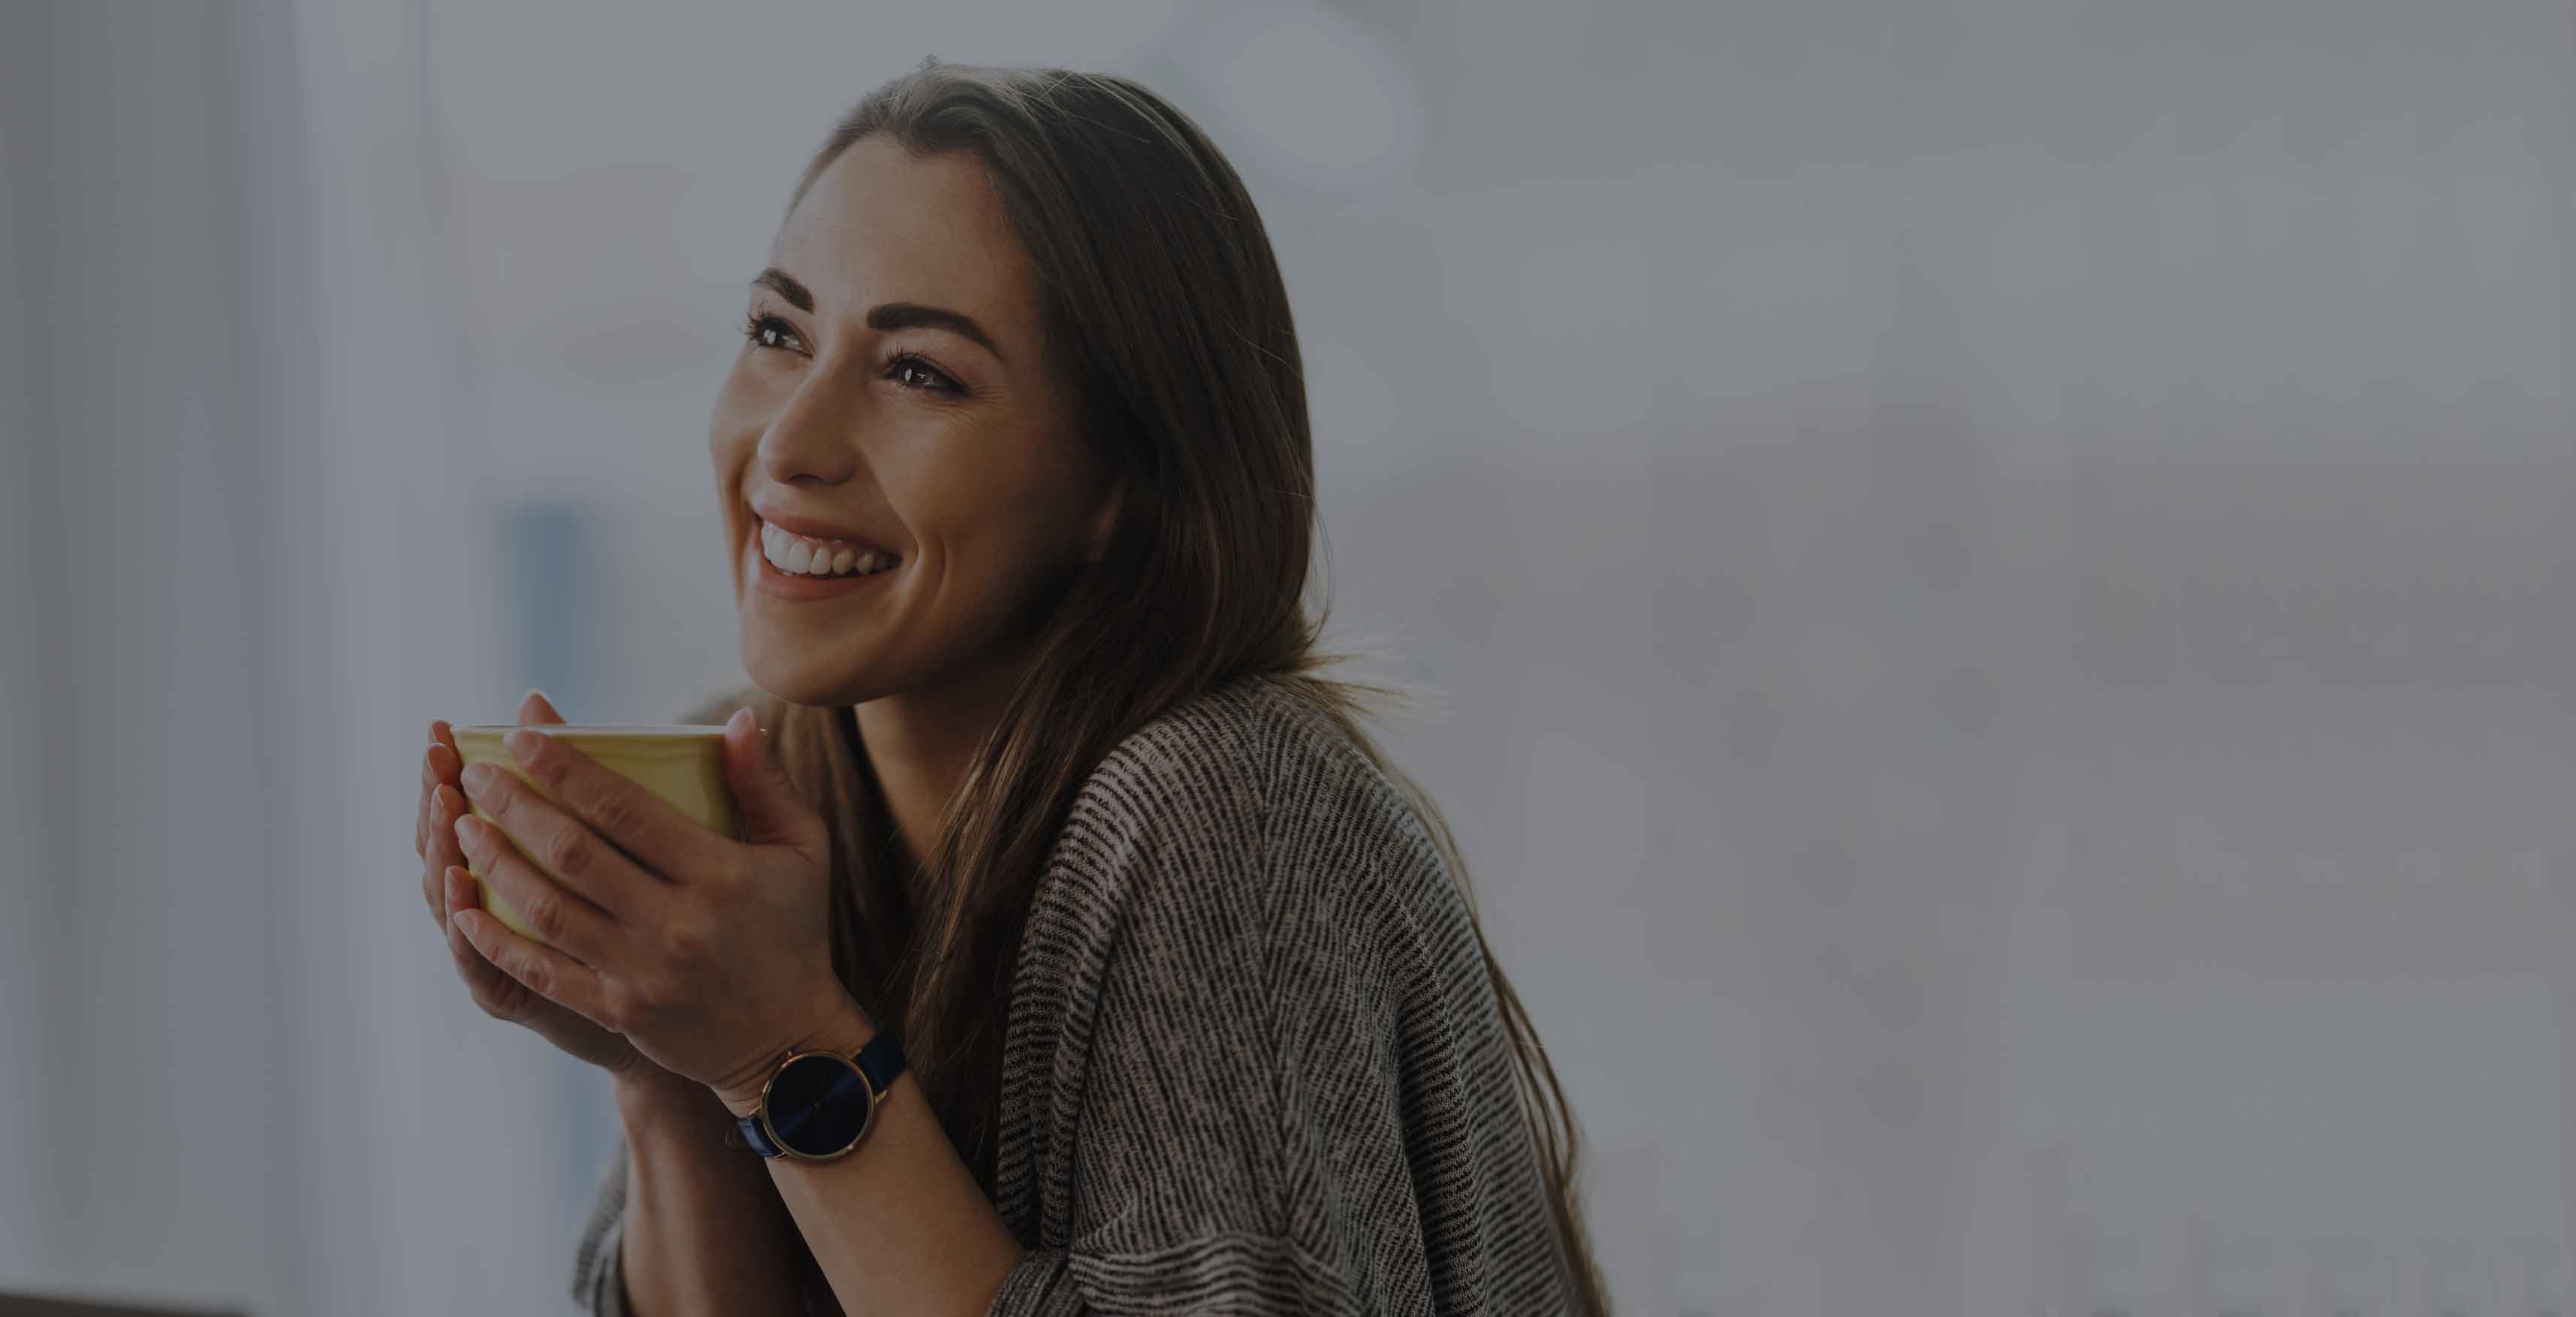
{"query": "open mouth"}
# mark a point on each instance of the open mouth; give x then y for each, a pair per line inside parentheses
(800, 555)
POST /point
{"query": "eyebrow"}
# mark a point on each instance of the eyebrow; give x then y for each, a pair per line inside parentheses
(886, 316)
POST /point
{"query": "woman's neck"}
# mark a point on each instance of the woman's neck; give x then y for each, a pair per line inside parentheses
(920, 743)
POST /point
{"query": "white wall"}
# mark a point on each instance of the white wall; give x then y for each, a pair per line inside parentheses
(137, 787)
(28, 1020)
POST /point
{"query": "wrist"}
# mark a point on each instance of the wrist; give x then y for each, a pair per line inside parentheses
(648, 1092)
(844, 1030)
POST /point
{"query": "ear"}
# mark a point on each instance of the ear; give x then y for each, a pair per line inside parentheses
(1104, 522)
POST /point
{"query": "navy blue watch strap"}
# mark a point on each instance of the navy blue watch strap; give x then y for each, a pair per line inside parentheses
(879, 1062)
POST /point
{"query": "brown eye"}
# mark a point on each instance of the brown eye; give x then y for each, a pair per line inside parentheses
(768, 331)
(906, 369)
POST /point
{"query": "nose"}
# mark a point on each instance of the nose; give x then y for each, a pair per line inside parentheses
(810, 438)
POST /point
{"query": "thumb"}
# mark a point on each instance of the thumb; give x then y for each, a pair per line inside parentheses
(534, 707)
(772, 812)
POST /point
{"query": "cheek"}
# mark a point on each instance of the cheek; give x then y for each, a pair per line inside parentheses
(733, 430)
(999, 549)
(983, 565)
(1008, 518)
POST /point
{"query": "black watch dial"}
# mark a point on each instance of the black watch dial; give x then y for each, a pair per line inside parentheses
(818, 1104)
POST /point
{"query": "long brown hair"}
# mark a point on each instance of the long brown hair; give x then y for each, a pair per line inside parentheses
(1165, 309)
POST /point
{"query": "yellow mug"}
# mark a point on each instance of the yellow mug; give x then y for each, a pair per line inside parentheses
(681, 763)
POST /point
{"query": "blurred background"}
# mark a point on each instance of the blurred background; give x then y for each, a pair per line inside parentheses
(2001, 573)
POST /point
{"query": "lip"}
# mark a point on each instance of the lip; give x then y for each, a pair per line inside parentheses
(770, 581)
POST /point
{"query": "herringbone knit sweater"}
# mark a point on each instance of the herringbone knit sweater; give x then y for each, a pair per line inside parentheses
(1252, 1062)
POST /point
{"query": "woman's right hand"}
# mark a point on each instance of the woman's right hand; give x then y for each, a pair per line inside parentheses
(449, 888)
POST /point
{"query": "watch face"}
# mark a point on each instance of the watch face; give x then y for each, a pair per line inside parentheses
(818, 1105)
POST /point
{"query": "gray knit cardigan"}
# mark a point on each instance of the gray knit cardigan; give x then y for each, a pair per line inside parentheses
(1252, 1062)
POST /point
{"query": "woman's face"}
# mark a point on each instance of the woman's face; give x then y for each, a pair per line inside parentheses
(896, 397)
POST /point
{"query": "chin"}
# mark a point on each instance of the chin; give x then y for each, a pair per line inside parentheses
(800, 683)
(814, 680)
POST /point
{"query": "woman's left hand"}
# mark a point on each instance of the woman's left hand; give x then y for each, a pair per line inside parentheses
(712, 956)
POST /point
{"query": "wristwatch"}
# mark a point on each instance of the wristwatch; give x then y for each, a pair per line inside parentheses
(818, 1105)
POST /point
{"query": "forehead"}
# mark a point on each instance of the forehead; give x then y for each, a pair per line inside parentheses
(881, 226)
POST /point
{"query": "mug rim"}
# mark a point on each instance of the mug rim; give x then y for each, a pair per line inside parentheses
(598, 729)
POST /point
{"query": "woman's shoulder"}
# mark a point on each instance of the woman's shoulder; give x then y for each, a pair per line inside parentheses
(1230, 748)
(1252, 775)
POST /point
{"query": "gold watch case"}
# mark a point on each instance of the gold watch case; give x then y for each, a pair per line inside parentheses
(867, 1123)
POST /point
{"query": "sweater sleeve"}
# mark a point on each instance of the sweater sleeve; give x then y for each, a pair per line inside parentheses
(1229, 1106)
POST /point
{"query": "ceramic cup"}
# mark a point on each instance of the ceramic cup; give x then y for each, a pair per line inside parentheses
(681, 763)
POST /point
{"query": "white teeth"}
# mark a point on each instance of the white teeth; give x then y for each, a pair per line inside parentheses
(803, 557)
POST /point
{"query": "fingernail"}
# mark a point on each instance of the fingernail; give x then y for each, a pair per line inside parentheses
(522, 744)
(476, 777)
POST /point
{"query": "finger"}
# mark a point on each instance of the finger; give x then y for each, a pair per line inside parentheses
(598, 804)
(432, 861)
(773, 814)
(534, 707)
(542, 970)
(487, 985)
(439, 762)
(428, 779)
(443, 761)
(440, 758)
(570, 849)
(560, 916)
(445, 805)
(496, 993)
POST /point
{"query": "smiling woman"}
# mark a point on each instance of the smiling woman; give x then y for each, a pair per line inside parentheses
(1195, 1012)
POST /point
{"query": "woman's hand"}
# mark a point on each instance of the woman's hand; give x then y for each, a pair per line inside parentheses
(710, 956)
(450, 889)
